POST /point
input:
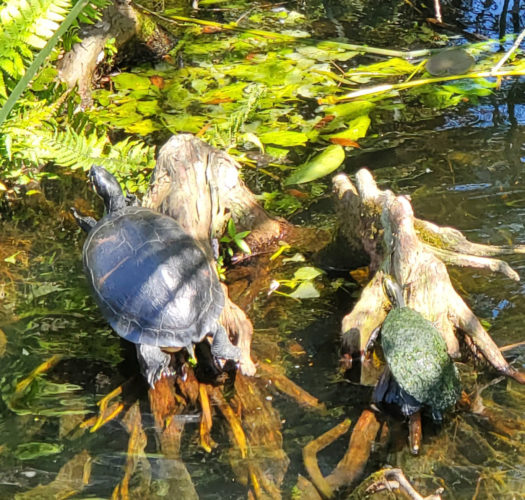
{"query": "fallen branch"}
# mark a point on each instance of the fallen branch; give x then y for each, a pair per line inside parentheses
(395, 479)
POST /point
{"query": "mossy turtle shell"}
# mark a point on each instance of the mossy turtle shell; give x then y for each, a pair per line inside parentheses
(417, 356)
(152, 282)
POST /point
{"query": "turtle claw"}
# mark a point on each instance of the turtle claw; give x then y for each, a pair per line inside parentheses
(154, 363)
(222, 348)
(153, 376)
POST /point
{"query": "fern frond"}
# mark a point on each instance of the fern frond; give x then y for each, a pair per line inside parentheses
(43, 144)
(27, 25)
(3, 90)
(93, 11)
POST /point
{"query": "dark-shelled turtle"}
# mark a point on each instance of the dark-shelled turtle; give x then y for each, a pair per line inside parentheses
(454, 61)
(153, 283)
(419, 370)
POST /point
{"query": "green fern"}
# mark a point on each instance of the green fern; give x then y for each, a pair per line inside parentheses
(33, 132)
(67, 148)
(26, 25)
(92, 12)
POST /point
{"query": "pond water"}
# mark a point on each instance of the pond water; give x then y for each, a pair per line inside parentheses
(464, 168)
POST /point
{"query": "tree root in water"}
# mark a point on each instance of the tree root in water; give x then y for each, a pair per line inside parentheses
(351, 467)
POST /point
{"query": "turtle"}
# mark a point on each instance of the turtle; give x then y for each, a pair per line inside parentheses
(152, 282)
(419, 371)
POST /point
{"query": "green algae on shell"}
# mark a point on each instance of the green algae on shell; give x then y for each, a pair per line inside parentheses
(417, 356)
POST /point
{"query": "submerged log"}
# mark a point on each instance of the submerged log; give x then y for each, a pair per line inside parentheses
(413, 252)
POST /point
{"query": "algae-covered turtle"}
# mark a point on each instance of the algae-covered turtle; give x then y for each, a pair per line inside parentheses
(419, 370)
(153, 283)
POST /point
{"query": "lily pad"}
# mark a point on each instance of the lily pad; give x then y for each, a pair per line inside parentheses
(357, 128)
(350, 109)
(307, 273)
(131, 81)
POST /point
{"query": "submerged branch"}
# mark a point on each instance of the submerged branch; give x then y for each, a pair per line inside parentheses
(310, 456)
(388, 87)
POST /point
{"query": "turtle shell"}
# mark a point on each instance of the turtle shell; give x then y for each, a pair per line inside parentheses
(151, 280)
(417, 356)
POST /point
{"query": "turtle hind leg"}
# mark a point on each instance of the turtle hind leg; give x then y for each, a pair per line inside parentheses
(222, 348)
(154, 363)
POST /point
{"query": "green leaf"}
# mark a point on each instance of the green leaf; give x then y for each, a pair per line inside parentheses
(305, 290)
(356, 129)
(184, 123)
(350, 109)
(243, 246)
(148, 108)
(231, 228)
(142, 127)
(393, 66)
(284, 138)
(319, 166)
(326, 54)
(251, 137)
(307, 273)
(298, 257)
(242, 235)
(12, 258)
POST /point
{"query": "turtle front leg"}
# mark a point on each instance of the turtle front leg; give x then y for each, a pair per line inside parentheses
(85, 222)
(222, 348)
(154, 363)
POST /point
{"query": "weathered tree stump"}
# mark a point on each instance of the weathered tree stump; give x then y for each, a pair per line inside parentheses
(383, 226)
(200, 187)
(414, 252)
(121, 22)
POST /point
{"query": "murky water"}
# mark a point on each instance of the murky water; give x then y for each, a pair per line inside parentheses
(465, 169)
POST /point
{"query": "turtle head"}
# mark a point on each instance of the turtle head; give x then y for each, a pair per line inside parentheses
(107, 187)
(393, 291)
